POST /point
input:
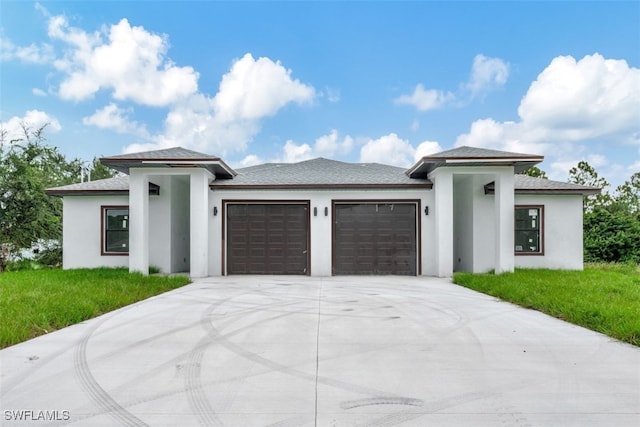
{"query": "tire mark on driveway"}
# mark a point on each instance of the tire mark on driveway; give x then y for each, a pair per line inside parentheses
(99, 395)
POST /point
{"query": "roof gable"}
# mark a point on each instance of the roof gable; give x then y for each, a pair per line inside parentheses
(525, 184)
(321, 172)
(169, 157)
(110, 186)
(473, 156)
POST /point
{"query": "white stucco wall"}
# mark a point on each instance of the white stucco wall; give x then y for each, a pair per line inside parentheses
(463, 236)
(82, 232)
(483, 226)
(320, 225)
(562, 225)
(472, 219)
(179, 224)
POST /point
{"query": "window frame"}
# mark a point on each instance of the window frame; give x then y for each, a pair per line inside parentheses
(541, 225)
(103, 229)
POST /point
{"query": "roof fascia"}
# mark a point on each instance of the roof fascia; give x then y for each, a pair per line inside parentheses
(154, 190)
(214, 185)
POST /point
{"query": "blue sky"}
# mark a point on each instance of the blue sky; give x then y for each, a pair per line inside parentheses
(381, 82)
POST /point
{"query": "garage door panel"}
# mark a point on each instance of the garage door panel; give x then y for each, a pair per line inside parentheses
(267, 238)
(375, 238)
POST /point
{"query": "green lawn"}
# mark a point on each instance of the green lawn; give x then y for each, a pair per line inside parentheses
(603, 297)
(37, 302)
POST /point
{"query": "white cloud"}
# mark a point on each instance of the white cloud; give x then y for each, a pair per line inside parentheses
(584, 99)
(331, 145)
(33, 120)
(333, 95)
(570, 105)
(254, 89)
(250, 160)
(194, 124)
(389, 149)
(33, 53)
(226, 123)
(487, 73)
(426, 148)
(38, 92)
(569, 101)
(293, 153)
(131, 62)
(114, 118)
(425, 100)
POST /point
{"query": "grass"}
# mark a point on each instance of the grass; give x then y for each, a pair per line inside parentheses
(34, 303)
(603, 297)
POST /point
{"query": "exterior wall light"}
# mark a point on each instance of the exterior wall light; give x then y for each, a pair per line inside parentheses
(215, 211)
(426, 210)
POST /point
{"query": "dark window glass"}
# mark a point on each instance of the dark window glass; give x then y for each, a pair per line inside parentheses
(116, 233)
(527, 232)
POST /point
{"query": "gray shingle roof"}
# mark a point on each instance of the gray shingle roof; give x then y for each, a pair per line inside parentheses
(525, 184)
(466, 152)
(472, 156)
(174, 153)
(320, 172)
(110, 186)
(169, 157)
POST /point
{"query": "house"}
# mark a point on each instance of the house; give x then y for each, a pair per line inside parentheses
(465, 209)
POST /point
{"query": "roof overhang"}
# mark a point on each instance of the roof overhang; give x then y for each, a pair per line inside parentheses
(214, 165)
(231, 186)
(154, 190)
(583, 191)
(427, 164)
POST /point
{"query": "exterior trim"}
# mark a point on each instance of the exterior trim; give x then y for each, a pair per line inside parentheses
(489, 189)
(226, 202)
(103, 209)
(231, 186)
(542, 233)
(154, 190)
(417, 202)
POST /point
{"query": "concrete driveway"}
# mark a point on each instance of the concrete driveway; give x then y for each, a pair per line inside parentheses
(342, 351)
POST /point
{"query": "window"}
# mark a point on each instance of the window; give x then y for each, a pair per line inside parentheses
(115, 228)
(529, 230)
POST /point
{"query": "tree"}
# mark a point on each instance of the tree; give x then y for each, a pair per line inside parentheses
(611, 223)
(535, 172)
(585, 174)
(27, 168)
(611, 235)
(100, 171)
(628, 195)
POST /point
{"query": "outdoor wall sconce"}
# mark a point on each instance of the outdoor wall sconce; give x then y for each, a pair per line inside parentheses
(326, 211)
(215, 211)
(426, 210)
(315, 211)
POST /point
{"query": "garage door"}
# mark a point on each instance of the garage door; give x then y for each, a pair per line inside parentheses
(267, 238)
(375, 238)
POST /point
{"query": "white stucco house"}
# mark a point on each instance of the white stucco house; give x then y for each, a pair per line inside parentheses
(465, 209)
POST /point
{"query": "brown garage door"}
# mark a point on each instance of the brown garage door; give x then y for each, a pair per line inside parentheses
(267, 238)
(374, 238)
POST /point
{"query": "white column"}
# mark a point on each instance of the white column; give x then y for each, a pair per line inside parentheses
(138, 221)
(504, 214)
(199, 223)
(443, 193)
